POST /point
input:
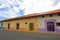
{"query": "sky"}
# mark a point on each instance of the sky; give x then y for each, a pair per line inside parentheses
(16, 8)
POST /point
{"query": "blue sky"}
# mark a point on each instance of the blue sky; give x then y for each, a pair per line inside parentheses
(15, 8)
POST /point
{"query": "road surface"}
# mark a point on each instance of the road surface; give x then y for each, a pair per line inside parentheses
(14, 35)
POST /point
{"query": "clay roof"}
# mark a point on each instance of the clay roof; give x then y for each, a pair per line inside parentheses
(35, 14)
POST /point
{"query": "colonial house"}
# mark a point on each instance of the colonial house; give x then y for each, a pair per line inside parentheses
(37, 22)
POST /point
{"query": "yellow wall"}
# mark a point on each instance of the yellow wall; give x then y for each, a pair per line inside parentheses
(41, 21)
(23, 26)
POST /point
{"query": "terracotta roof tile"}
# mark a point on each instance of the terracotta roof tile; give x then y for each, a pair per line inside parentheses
(35, 14)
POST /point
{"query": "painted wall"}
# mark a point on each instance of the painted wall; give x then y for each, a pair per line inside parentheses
(39, 23)
(42, 24)
(23, 26)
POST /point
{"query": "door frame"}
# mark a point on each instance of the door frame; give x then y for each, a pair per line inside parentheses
(52, 20)
(50, 28)
(17, 26)
(30, 27)
(8, 25)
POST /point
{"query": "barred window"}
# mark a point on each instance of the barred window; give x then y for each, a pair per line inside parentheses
(58, 24)
(50, 15)
(58, 13)
(42, 16)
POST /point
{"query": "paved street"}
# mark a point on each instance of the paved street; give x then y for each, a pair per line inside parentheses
(13, 35)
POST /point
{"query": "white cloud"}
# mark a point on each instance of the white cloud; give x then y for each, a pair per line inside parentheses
(29, 6)
(37, 6)
(12, 8)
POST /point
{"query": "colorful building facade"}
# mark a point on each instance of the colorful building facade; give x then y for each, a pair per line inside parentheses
(38, 22)
(21, 24)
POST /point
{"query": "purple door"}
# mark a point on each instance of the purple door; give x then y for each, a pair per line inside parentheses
(50, 26)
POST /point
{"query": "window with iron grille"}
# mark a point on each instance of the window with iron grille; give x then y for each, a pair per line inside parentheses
(58, 23)
(50, 15)
(42, 16)
(58, 13)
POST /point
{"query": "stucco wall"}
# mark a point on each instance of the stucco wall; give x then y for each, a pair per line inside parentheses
(41, 21)
(23, 26)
